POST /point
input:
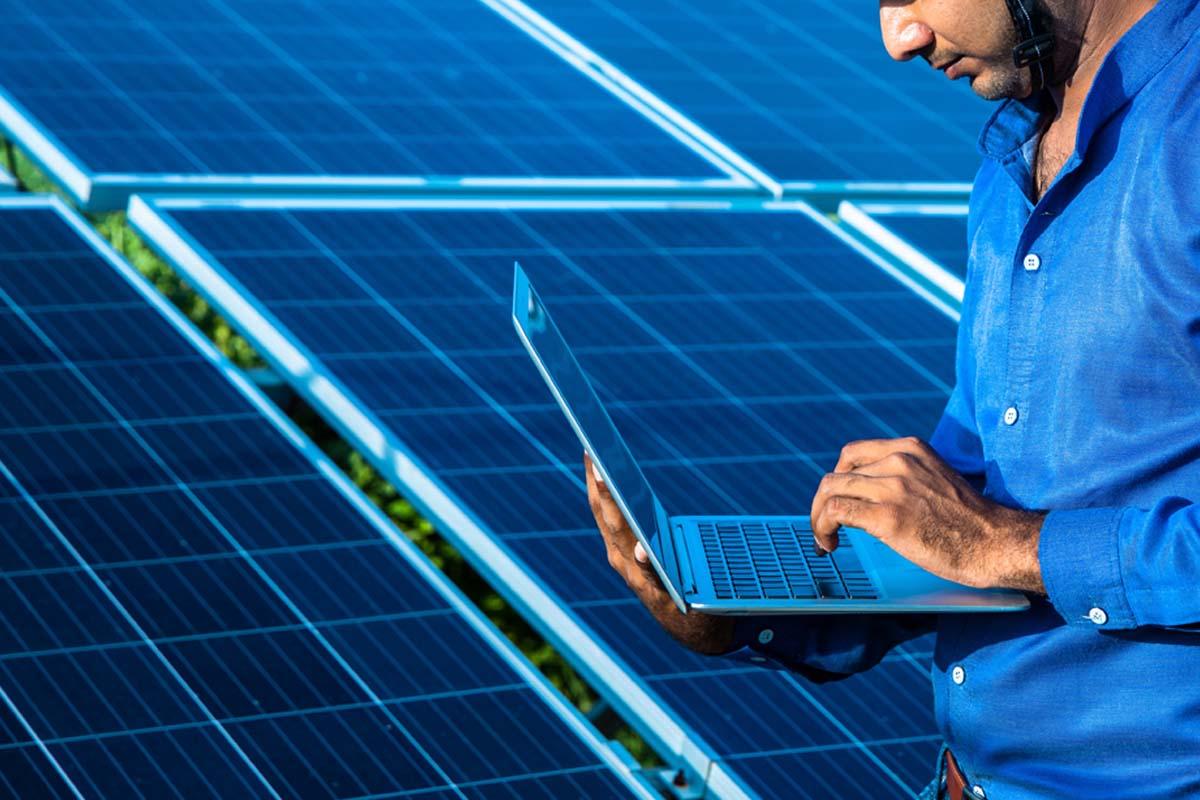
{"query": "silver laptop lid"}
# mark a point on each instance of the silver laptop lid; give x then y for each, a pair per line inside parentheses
(592, 424)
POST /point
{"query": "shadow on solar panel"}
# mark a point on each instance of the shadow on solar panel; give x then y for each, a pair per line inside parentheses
(196, 603)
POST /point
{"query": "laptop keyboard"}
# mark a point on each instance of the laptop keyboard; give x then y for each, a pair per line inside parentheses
(776, 561)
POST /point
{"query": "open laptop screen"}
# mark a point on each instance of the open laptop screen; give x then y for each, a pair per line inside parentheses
(593, 425)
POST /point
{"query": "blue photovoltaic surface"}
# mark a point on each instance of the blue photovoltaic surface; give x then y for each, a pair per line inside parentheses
(132, 92)
(941, 236)
(924, 241)
(802, 88)
(738, 349)
(197, 604)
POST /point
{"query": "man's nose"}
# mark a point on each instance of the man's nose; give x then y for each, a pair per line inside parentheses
(904, 35)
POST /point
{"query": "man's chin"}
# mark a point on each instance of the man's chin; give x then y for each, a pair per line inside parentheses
(999, 84)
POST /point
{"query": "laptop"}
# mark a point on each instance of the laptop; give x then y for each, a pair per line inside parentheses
(731, 564)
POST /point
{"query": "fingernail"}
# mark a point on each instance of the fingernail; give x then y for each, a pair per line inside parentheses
(639, 553)
(819, 550)
(596, 473)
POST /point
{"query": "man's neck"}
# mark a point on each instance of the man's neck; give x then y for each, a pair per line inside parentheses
(1095, 27)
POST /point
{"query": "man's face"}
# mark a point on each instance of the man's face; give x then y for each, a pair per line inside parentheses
(970, 39)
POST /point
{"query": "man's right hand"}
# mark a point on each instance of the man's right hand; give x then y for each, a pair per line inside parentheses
(702, 633)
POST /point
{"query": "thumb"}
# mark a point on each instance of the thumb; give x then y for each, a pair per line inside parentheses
(639, 554)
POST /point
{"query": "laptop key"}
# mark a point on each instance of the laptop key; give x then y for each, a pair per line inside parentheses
(804, 591)
(847, 560)
(831, 588)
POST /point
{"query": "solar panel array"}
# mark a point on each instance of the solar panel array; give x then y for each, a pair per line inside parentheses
(112, 96)
(804, 90)
(198, 604)
(255, 95)
(738, 350)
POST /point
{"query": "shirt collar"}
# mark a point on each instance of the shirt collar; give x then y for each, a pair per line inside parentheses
(1139, 55)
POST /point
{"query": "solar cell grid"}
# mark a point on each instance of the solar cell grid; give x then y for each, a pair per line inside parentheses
(249, 94)
(942, 238)
(196, 604)
(474, 437)
(939, 231)
(804, 91)
(929, 241)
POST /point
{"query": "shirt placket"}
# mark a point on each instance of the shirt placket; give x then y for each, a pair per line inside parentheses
(1028, 264)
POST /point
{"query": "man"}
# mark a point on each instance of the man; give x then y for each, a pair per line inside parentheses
(1067, 463)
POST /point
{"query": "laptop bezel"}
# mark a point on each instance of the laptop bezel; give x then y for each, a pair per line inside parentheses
(523, 293)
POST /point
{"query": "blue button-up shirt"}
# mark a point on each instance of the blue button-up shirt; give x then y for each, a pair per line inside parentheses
(1078, 392)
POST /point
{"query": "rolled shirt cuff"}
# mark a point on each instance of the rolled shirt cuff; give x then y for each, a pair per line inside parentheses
(1080, 556)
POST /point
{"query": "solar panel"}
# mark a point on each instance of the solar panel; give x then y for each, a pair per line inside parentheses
(803, 91)
(927, 240)
(261, 95)
(196, 603)
(739, 347)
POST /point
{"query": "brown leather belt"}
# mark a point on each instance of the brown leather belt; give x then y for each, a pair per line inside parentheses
(956, 783)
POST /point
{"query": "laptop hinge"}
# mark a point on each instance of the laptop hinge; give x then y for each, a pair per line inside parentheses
(670, 545)
(684, 558)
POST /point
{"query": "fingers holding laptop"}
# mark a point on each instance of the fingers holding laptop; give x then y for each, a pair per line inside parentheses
(903, 493)
(700, 632)
(619, 540)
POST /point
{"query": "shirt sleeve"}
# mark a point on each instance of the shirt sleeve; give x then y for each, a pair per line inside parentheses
(957, 441)
(824, 648)
(1123, 568)
(956, 438)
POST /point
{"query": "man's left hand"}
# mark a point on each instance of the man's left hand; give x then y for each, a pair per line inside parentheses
(903, 493)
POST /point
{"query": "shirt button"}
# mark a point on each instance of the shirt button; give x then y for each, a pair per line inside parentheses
(1098, 616)
(958, 675)
(1010, 415)
(765, 636)
(1033, 262)
(758, 659)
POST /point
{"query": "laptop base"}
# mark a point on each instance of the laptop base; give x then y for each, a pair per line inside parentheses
(769, 565)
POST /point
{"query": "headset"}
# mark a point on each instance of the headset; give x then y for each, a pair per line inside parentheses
(1035, 41)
